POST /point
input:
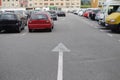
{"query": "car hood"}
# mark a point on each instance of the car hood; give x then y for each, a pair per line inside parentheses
(113, 16)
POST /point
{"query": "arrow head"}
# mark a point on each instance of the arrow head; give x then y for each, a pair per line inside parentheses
(61, 48)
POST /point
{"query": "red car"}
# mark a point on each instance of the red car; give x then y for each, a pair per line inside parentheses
(40, 20)
(86, 14)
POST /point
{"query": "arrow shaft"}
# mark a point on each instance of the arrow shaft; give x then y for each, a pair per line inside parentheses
(60, 67)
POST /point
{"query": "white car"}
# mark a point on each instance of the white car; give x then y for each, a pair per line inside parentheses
(81, 12)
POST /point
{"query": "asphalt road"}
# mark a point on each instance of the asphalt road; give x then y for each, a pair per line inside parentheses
(95, 52)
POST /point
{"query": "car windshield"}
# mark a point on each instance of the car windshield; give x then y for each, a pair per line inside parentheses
(52, 12)
(8, 16)
(39, 16)
(96, 11)
(118, 10)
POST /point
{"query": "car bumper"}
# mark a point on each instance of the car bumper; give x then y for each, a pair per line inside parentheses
(35, 26)
(113, 26)
(101, 22)
(8, 26)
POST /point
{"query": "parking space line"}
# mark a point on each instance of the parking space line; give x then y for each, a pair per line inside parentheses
(110, 35)
(23, 34)
(119, 40)
(102, 30)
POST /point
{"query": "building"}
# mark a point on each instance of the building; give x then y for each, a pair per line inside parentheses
(94, 3)
(61, 4)
(97, 3)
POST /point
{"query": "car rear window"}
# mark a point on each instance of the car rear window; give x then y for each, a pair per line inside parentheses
(39, 16)
(8, 16)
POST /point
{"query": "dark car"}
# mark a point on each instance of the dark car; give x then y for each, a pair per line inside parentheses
(11, 22)
(93, 13)
(53, 15)
(61, 13)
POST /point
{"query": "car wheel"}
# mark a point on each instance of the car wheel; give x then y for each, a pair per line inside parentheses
(30, 30)
(18, 30)
(55, 18)
(23, 28)
(99, 22)
(114, 30)
(52, 27)
(49, 30)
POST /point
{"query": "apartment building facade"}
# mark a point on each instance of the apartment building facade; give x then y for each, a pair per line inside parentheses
(97, 3)
(40, 3)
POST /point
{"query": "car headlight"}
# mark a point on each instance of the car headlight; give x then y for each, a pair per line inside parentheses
(112, 20)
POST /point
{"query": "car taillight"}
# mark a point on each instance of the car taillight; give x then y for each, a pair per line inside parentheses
(30, 21)
(47, 21)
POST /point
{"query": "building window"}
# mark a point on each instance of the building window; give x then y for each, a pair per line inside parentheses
(72, 3)
(13, 4)
(35, 3)
(51, 3)
(78, 4)
(45, 3)
(67, 3)
(57, 3)
(30, 5)
(61, 3)
(40, 3)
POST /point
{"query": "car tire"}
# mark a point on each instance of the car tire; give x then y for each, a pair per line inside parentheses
(49, 30)
(30, 30)
(23, 28)
(55, 18)
(18, 30)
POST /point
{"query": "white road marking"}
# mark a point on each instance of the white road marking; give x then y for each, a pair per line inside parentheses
(60, 67)
(23, 34)
(110, 35)
(119, 40)
(96, 27)
(60, 48)
(102, 30)
(100, 60)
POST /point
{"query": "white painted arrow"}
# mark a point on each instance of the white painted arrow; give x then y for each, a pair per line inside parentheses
(60, 48)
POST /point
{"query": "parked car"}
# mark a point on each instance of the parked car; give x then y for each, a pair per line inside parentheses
(23, 14)
(86, 13)
(98, 15)
(53, 15)
(11, 22)
(113, 21)
(40, 21)
(61, 13)
(93, 13)
(80, 13)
